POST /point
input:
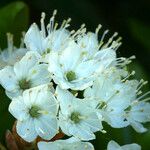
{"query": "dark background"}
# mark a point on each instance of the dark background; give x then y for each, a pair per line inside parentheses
(131, 18)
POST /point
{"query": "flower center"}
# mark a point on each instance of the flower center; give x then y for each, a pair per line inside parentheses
(75, 117)
(24, 84)
(48, 50)
(34, 111)
(70, 76)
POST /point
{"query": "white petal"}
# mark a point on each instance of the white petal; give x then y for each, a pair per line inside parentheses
(89, 43)
(138, 127)
(54, 65)
(33, 39)
(115, 119)
(58, 39)
(13, 94)
(82, 132)
(22, 67)
(93, 122)
(47, 146)
(64, 144)
(8, 79)
(65, 98)
(26, 130)
(86, 69)
(131, 147)
(47, 101)
(106, 56)
(39, 75)
(112, 145)
(46, 127)
(18, 109)
(70, 56)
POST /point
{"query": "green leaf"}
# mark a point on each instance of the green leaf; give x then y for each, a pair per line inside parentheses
(122, 136)
(6, 120)
(14, 19)
(140, 32)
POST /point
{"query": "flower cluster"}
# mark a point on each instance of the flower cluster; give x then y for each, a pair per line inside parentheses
(71, 82)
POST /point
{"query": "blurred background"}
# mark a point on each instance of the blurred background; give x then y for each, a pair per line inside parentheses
(131, 18)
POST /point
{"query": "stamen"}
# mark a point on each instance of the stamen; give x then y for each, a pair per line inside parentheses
(111, 97)
(141, 84)
(98, 28)
(22, 40)
(115, 45)
(124, 61)
(43, 24)
(10, 43)
(66, 25)
(128, 76)
(80, 31)
(102, 38)
(139, 92)
(55, 26)
(146, 99)
(51, 25)
(141, 97)
(110, 40)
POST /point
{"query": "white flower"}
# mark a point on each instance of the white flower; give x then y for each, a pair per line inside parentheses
(91, 48)
(112, 145)
(35, 112)
(111, 96)
(69, 70)
(43, 42)
(69, 144)
(76, 117)
(137, 113)
(25, 74)
(10, 55)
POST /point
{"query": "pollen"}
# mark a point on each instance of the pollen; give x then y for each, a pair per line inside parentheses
(75, 117)
(24, 84)
(34, 111)
(71, 76)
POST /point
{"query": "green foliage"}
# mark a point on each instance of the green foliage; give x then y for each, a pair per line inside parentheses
(14, 19)
(6, 120)
(140, 32)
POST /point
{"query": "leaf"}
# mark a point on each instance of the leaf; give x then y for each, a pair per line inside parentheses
(6, 120)
(140, 32)
(120, 135)
(14, 19)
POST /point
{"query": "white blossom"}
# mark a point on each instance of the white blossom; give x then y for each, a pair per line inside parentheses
(91, 86)
(69, 70)
(48, 38)
(92, 48)
(35, 112)
(23, 75)
(10, 55)
(69, 144)
(76, 117)
(112, 145)
(137, 113)
(111, 96)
